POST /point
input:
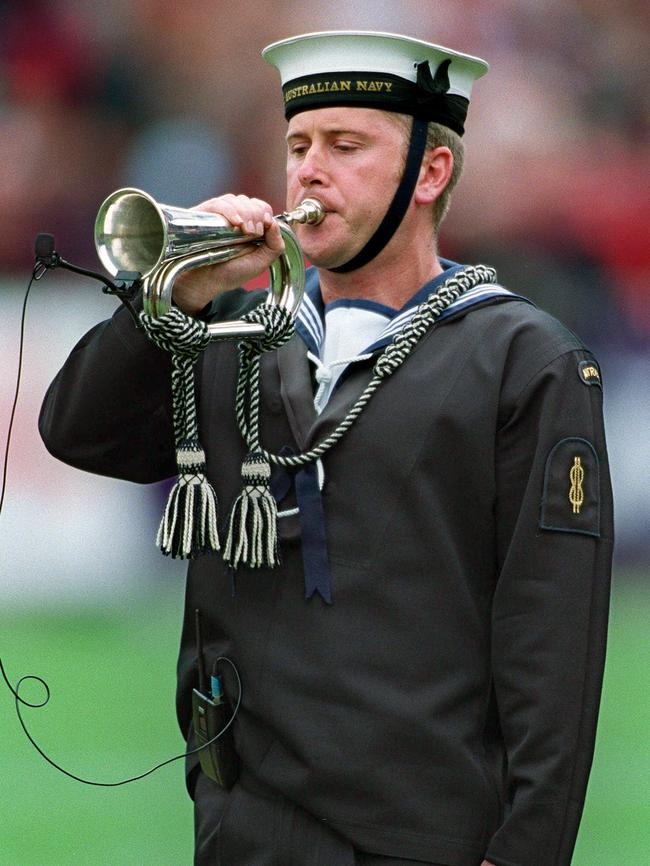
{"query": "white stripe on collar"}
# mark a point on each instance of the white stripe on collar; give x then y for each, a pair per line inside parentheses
(309, 322)
(473, 296)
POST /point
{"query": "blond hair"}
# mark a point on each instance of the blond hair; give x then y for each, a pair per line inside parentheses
(437, 136)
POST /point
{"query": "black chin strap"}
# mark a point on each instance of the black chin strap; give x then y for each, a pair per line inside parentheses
(398, 207)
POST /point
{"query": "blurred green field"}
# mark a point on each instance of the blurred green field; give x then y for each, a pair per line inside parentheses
(111, 672)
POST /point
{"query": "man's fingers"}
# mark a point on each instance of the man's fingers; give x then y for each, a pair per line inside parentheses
(273, 237)
(251, 215)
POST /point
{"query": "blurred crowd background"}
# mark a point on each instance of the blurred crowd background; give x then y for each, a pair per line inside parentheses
(174, 98)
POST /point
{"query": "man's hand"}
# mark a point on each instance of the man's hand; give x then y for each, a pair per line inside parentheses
(194, 289)
(487, 863)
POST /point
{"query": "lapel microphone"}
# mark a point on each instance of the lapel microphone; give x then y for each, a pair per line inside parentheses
(125, 287)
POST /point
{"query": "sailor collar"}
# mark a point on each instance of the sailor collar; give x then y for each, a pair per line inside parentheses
(310, 321)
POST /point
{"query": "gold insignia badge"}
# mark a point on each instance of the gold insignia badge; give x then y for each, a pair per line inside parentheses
(576, 490)
(571, 491)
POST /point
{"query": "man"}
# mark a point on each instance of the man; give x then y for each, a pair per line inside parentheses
(420, 674)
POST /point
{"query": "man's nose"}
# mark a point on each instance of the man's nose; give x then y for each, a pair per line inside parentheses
(312, 168)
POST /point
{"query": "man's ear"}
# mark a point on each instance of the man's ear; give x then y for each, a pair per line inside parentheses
(435, 174)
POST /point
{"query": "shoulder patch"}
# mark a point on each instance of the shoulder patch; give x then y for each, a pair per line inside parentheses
(570, 499)
(589, 373)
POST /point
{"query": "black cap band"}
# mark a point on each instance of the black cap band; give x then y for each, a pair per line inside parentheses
(427, 99)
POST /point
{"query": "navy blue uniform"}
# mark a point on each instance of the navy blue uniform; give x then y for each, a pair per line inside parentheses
(443, 708)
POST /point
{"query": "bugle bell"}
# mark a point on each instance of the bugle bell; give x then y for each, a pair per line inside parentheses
(134, 232)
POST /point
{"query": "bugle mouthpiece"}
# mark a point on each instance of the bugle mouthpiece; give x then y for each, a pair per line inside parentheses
(310, 211)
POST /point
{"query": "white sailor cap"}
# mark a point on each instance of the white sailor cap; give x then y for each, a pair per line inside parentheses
(375, 70)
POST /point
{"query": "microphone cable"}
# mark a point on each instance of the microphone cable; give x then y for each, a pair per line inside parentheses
(47, 259)
(37, 273)
(20, 700)
(40, 269)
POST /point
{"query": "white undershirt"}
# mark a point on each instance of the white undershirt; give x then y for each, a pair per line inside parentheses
(348, 331)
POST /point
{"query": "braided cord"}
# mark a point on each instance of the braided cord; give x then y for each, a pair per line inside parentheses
(279, 326)
(184, 338)
(247, 397)
(189, 522)
(393, 356)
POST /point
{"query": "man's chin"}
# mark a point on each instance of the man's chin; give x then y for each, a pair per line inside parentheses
(326, 247)
(326, 264)
(327, 259)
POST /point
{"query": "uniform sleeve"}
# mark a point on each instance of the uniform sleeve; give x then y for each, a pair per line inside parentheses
(555, 535)
(108, 411)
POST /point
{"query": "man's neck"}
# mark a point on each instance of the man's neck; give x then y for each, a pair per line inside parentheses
(388, 279)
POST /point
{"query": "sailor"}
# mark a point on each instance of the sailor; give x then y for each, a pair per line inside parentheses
(421, 645)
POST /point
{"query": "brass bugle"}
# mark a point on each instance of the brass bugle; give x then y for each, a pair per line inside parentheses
(134, 232)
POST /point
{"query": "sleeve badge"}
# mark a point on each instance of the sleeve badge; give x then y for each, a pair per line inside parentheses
(570, 499)
(589, 373)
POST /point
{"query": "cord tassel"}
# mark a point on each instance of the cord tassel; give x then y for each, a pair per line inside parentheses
(189, 522)
(252, 531)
